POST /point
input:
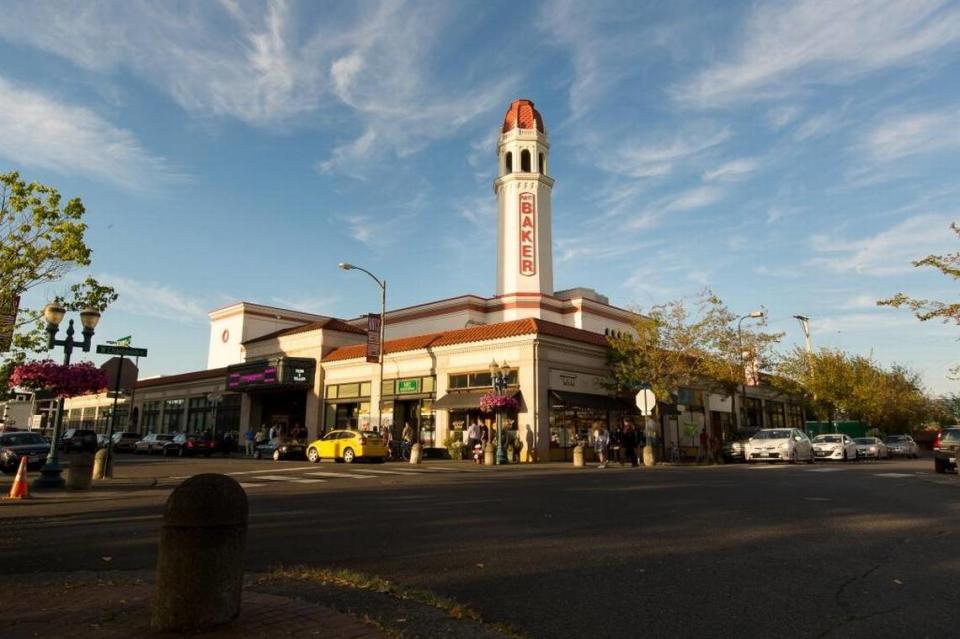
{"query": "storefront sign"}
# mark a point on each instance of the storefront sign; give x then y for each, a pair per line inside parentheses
(8, 319)
(578, 382)
(528, 234)
(408, 385)
(283, 371)
(373, 337)
(263, 376)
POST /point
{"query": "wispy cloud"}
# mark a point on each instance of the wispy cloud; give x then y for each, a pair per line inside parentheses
(316, 305)
(788, 47)
(657, 158)
(780, 116)
(732, 171)
(687, 200)
(36, 130)
(906, 134)
(888, 252)
(153, 299)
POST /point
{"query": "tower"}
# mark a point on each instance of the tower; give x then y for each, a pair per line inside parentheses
(524, 242)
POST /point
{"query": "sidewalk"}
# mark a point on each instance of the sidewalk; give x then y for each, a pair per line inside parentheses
(301, 602)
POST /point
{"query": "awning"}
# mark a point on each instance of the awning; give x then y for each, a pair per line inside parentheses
(467, 399)
(588, 400)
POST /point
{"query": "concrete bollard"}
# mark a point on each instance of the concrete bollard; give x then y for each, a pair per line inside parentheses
(649, 456)
(79, 473)
(578, 456)
(416, 453)
(200, 559)
(101, 470)
(488, 454)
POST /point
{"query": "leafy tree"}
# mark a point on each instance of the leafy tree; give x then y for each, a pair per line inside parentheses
(931, 309)
(41, 240)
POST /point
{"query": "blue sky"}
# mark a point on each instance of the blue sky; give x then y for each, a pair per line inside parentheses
(794, 155)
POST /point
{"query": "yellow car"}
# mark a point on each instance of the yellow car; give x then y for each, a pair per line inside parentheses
(347, 446)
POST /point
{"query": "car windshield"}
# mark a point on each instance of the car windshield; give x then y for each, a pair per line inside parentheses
(743, 435)
(773, 434)
(895, 439)
(164, 438)
(864, 440)
(828, 439)
(21, 439)
(951, 435)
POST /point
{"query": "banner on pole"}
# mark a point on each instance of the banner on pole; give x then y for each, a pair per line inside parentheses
(373, 337)
(8, 319)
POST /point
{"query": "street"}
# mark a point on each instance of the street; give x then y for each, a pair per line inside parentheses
(867, 549)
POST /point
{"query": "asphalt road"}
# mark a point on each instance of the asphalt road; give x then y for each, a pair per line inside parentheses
(830, 550)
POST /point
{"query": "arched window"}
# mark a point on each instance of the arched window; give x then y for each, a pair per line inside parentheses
(541, 166)
(525, 161)
(509, 163)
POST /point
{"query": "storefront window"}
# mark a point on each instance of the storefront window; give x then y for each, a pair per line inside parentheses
(228, 414)
(775, 418)
(198, 414)
(753, 413)
(427, 424)
(172, 415)
(794, 416)
(150, 416)
(480, 379)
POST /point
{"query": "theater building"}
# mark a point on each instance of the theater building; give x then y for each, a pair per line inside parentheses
(269, 365)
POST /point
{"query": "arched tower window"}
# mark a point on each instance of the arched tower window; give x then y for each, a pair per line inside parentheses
(541, 165)
(509, 162)
(525, 161)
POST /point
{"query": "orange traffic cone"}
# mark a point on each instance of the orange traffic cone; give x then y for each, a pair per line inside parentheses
(19, 488)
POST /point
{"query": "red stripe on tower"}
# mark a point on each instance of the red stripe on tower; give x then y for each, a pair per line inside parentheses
(528, 234)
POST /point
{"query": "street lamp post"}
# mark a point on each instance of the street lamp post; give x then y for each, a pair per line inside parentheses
(50, 474)
(743, 367)
(383, 322)
(499, 373)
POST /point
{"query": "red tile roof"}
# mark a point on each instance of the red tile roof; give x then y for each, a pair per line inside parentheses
(529, 326)
(329, 324)
(192, 376)
(521, 114)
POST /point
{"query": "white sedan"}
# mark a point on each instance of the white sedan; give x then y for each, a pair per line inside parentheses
(871, 448)
(837, 446)
(902, 445)
(779, 444)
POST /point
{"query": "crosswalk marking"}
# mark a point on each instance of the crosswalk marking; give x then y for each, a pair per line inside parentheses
(824, 470)
(892, 475)
(275, 477)
(306, 481)
(331, 474)
(271, 470)
(246, 485)
(381, 471)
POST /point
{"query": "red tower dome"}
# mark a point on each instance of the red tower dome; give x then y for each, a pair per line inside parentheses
(521, 114)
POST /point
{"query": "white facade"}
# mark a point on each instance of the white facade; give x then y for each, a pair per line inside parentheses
(233, 325)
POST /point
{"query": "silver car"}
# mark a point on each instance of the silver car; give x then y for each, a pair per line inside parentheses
(835, 446)
(902, 445)
(779, 444)
(871, 448)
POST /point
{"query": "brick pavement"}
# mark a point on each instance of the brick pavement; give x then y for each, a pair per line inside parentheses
(120, 609)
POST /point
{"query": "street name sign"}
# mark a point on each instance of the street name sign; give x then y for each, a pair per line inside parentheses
(128, 351)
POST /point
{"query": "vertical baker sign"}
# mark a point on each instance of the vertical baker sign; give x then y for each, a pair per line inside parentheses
(373, 337)
(528, 234)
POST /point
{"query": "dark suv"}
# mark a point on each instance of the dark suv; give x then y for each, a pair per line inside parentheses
(946, 449)
(79, 439)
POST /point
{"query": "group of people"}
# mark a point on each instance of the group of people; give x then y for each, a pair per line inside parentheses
(620, 445)
(478, 435)
(252, 439)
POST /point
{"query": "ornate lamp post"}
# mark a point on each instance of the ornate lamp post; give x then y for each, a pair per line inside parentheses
(499, 373)
(50, 474)
(743, 365)
(383, 322)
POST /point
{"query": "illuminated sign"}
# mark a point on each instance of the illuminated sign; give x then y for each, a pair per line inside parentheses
(528, 234)
(278, 372)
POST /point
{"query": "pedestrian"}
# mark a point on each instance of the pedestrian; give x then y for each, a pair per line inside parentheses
(248, 438)
(629, 442)
(601, 440)
(473, 435)
(226, 444)
(407, 436)
(261, 436)
(704, 446)
(274, 433)
(615, 443)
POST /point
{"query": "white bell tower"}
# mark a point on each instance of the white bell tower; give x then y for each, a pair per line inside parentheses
(524, 239)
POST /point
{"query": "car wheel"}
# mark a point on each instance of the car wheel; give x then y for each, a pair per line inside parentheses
(793, 457)
(349, 455)
(181, 452)
(276, 455)
(257, 454)
(939, 466)
(313, 455)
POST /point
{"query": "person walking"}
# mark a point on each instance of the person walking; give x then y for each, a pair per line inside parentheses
(261, 436)
(407, 437)
(601, 440)
(704, 446)
(629, 442)
(248, 442)
(473, 435)
(274, 433)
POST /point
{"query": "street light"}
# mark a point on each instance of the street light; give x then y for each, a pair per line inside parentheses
(499, 373)
(743, 366)
(805, 325)
(383, 322)
(53, 313)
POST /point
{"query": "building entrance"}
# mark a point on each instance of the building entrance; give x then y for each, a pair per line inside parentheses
(284, 409)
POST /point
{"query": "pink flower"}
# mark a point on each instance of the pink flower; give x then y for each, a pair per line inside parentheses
(492, 403)
(59, 380)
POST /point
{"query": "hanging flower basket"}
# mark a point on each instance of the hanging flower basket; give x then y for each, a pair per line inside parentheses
(492, 403)
(58, 380)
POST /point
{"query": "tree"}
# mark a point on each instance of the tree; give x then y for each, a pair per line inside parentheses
(931, 309)
(673, 348)
(41, 240)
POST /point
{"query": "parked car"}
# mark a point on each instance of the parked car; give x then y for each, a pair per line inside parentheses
(902, 445)
(15, 445)
(125, 442)
(348, 446)
(779, 444)
(283, 448)
(152, 443)
(78, 439)
(946, 449)
(837, 446)
(871, 448)
(186, 444)
(102, 439)
(733, 449)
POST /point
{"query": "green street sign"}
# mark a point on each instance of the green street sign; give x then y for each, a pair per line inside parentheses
(123, 341)
(408, 385)
(128, 351)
